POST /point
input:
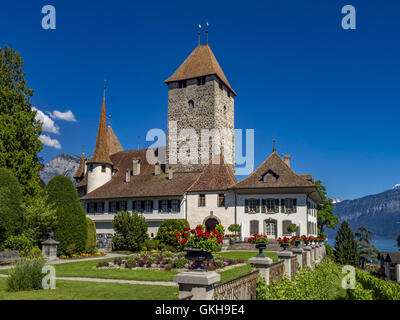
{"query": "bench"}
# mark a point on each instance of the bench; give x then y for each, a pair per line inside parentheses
(8, 256)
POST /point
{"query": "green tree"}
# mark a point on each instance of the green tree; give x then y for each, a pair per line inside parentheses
(19, 131)
(367, 251)
(91, 237)
(40, 219)
(71, 229)
(234, 228)
(168, 229)
(346, 251)
(130, 231)
(325, 215)
(11, 205)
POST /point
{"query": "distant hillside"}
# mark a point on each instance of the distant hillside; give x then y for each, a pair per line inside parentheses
(64, 164)
(379, 212)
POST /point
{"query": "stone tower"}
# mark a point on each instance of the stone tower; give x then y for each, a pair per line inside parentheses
(199, 97)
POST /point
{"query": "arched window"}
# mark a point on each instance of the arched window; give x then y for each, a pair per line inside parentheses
(191, 104)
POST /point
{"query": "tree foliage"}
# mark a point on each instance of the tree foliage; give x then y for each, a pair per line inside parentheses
(71, 218)
(19, 131)
(168, 229)
(40, 219)
(325, 215)
(346, 251)
(367, 251)
(11, 205)
(130, 231)
(91, 235)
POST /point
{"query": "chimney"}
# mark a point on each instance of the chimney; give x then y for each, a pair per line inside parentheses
(170, 174)
(128, 175)
(287, 159)
(136, 167)
(157, 169)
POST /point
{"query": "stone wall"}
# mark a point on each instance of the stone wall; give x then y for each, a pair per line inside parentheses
(276, 271)
(304, 259)
(293, 266)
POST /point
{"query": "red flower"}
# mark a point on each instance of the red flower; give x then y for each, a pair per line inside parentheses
(219, 239)
(177, 234)
(183, 241)
(186, 229)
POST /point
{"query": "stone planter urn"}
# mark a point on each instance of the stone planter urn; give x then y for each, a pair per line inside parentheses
(297, 243)
(198, 256)
(285, 246)
(261, 247)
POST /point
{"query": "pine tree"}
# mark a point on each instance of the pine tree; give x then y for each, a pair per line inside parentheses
(19, 131)
(346, 251)
(71, 228)
(367, 251)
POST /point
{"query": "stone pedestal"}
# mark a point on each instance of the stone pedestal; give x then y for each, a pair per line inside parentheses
(198, 283)
(286, 256)
(263, 265)
(308, 250)
(49, 249)
(299, 255)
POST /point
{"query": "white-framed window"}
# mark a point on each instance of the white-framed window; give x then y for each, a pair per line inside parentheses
(122, 206)
(270, 205)
(148, 206)
(163, 205)
(289, 206)
(113, 207)
(175, 205)
(138, 206)
(100, 207)
(253, 205)
(202, 200)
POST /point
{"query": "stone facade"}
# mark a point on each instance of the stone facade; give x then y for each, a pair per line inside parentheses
(212, 108)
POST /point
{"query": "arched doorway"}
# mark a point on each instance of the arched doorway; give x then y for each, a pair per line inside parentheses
(270, 228)
(210, 224)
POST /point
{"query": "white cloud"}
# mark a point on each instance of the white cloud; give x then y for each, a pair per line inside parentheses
(67, 116)
(48, 123)
(49, 142)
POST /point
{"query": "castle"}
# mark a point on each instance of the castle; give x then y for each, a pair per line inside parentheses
(199, 97)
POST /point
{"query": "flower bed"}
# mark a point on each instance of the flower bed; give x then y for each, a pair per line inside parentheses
(83, 255)
(165, 261)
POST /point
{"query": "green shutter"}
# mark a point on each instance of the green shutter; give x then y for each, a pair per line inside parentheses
(294, 205)
(283, 205)
(276, 205)
(159, 205)
(263, 204)
(133, 206)
(246, 206)
(258, 206)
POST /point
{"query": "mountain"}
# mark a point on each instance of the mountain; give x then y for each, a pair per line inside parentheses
(396, 186)
(335, 200)
(64, 164)
(379, 212)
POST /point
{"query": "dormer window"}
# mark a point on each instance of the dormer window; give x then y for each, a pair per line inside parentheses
(270, 177)
(201, 81)
(182, 84)
(191, 104)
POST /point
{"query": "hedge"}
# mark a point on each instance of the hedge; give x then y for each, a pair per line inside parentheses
(91, 235)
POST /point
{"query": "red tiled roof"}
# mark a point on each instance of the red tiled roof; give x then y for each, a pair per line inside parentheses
(100, 154)
(112, 141)
(201, 62)
(81, 169)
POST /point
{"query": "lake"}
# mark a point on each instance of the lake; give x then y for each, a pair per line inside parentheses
(381, 245)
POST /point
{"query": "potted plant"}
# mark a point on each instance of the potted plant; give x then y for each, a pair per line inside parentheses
(296, 240)
(292, 228)
(261, 242)
(284, 242)
(199, 245)
(235, 228)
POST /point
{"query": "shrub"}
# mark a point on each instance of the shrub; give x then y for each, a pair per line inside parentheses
(91, 235)
(234, 228)
(71, 218)
(292, 228)
(11, 210)
(26, 275)
(21, 243)
(168, 229)
(130, 231)
(152, 244)
(220, 228)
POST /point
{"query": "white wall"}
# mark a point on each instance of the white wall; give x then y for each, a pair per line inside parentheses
(97, 178)
(299, 217)
(196, 214)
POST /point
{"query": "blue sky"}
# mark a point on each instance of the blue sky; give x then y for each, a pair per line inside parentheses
(329, 96)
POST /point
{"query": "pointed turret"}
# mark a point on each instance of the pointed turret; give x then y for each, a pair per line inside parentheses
(80, 172)
(113, 143)
(101, 152)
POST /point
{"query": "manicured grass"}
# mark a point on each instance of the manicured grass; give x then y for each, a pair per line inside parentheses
(246, 255)
(234, 272)
(79, 290)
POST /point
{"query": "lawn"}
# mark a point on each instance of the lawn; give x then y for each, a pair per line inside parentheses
(80, 290)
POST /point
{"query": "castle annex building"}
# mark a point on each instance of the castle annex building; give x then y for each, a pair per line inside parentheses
(199, 97)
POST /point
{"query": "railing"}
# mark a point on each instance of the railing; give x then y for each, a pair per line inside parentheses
(240, 288)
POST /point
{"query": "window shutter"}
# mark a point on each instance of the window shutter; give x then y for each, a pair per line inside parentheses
(133, 206)
(151, 205)
(283, 205)
(258, 206)
(276, 205)
(169, 205)
(246, 206)
(159, 205)
(263, 203)
(117, 206)
(294, 205)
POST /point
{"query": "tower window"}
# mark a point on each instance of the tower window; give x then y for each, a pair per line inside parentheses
(182, 84)
(191, 104)
(103, 168)
(201, 81)
(224, 108)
